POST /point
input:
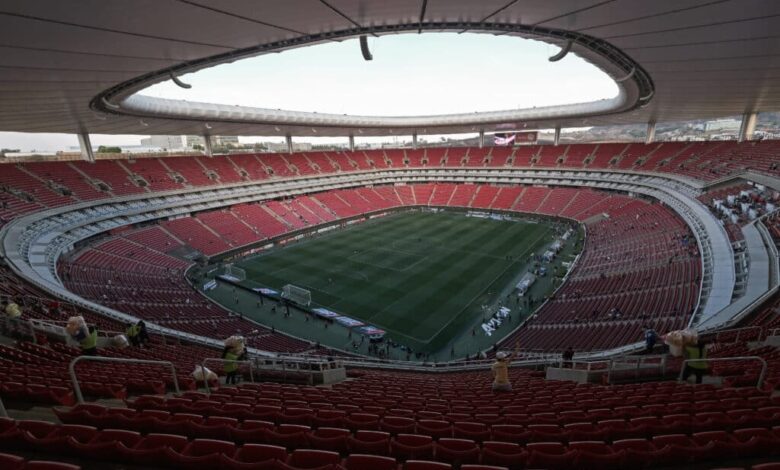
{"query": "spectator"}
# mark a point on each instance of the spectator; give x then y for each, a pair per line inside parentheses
(500, 370)
(89, 343)
(567, 357)
(234, 351)
(132, 334)
(650, 338)
(143, 335)
(697, 354)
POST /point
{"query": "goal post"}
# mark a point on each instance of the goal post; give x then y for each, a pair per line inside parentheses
(296, 294)
(233, 273)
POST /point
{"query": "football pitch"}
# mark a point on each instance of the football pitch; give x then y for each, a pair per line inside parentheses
(421, 276)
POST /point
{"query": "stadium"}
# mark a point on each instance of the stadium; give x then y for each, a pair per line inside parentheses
(587, 282)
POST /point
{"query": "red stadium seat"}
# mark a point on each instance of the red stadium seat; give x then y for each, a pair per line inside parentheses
(251, 455)
(550, 455)
(504, 454)
(397, 425)
(333, 439)
(411, 447)
(369, 442)
(201, 454)
(475, 431)
(105, 445)
(152, 449)
(251, 431)
(456, 451)
(309, 458)
(596, 454)
(11, 462)
(434, 428)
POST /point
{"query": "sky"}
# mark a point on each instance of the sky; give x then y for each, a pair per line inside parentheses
(411, 74)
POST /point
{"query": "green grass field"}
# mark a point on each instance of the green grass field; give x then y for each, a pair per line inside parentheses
(421, 276)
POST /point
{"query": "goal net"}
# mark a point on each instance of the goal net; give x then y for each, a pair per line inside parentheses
(233, 273)
(296, 294)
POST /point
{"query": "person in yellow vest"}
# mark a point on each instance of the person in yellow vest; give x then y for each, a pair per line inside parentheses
(697, 355)
(89, 342)
(500, 370)
(132, 332)
(234, 351)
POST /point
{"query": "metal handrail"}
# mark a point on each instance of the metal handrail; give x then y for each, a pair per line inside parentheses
(724, 359)
(217, 359)
(640, 359)
(739, 332)
(3, 412)
(121, 360)
(573, 363)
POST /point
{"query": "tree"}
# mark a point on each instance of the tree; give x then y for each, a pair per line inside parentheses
(104, 149)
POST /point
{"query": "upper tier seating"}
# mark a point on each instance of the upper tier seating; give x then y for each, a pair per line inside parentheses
(699, 160)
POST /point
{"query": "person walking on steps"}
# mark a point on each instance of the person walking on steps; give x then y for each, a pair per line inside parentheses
(697, 355)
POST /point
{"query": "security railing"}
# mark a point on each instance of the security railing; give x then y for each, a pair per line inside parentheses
(75, 381)
(635, 365)
(728, 359)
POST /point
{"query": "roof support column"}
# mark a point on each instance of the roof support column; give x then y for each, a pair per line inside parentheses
(557, 135)
(650, 135)
(86, 147)
(481, 138)
(288, 139)
(414, 140)
(351, 143)
(207, 146)
(748, 127)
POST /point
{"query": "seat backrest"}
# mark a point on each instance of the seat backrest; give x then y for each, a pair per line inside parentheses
(310, 458)
(633, 444)
(332, 432)
(546, 447)
(596, 447)
(11, 462)
(502, 447)
(77, 431)
(374, 462)
(413, 439)
(128, 438)
(155, 441)
(260, 453)
(470, 426)
(221, 420)
(200, 447)
(39, 429)
(456, 444)
(426, 465)
(671, 439)
(372, 436)
(252, 424)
